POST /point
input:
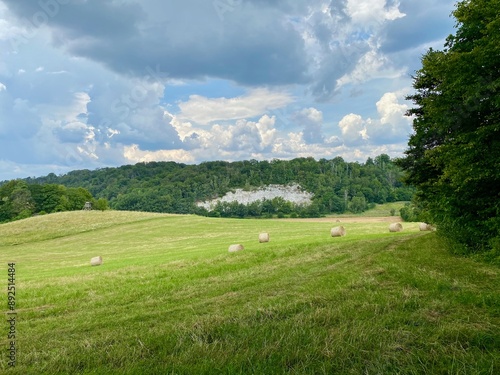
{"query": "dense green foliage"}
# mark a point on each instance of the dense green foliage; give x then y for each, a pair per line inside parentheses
(454, 155)
(338, 186)
(19, 200)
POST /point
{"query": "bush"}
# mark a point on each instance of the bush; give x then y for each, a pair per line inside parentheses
(101, 204)
(24, 214)
(409, 213)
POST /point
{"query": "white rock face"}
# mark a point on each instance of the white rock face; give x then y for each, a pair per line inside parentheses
(291, 193)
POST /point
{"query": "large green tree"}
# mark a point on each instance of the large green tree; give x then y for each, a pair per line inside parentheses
(454, 154)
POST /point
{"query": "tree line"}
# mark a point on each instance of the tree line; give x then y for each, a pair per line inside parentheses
(338, 186)
(20, 200)
(453, 157)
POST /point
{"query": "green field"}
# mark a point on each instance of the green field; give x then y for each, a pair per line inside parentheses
(170, 299)
(384, 209)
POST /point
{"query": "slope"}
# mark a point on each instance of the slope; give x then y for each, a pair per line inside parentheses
(169, 298)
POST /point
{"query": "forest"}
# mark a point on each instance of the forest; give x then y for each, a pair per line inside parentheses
(453, 155)
(338, 186)
(20, 200)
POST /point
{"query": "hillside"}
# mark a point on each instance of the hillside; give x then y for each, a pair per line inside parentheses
(169, 298)
(291, 193)
(335, 186)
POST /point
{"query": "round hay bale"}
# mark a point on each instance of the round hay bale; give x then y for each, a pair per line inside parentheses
(236, 247)
(96, 261)
(395, 227)
(337, 231)
(425, 227)
(263, 237)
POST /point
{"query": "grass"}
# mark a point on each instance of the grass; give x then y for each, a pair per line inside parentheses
(382, 210)
(170, 299)
(378, 211)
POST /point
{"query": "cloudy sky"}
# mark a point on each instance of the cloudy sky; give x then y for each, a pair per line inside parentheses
(95, 83)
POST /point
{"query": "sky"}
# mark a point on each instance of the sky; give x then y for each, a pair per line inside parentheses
(87, 84)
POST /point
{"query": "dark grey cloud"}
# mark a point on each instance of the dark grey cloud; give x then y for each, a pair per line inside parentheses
(150, 131)
(71, 133)
(250, 45)
(128, 111)
(425, 22)
(250, 42)
(76, 18)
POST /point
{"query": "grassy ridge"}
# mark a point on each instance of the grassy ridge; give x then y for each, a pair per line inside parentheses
(170, 299)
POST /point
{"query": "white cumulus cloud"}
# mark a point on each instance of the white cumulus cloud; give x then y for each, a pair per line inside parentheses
(203, 110)
(134, 154)
(391, 126)
(370, 11)
(353, 128)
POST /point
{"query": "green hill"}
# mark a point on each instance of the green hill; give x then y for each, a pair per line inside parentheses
(336, 186)
(170, 298)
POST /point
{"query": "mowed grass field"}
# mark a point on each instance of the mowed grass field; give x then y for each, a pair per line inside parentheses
(170, 299)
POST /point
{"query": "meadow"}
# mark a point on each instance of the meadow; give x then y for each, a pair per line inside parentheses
(170, 299)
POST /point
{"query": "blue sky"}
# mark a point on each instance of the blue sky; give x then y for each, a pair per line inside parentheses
(97, 83)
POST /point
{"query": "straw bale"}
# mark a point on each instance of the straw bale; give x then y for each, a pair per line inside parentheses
(338, 231)
(235, 247)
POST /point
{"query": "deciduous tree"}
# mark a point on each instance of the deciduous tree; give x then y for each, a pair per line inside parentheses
(453, 156)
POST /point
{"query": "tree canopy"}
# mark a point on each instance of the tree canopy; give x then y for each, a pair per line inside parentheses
(20, 200)
(338, 186)
(453, 157)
